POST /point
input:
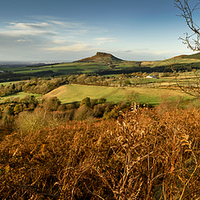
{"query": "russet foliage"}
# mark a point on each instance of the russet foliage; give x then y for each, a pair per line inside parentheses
(144, 154)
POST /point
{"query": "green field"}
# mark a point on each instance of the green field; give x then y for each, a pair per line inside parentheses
(20, 95)
(71, 93)
(7, 83)
(174, 61)
(62, 68)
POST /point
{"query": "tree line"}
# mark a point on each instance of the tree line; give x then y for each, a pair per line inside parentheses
(45, 85)
(27, 113)
(37, 86)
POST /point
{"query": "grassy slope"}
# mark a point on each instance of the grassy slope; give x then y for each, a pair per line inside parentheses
(70, 93)
(62, 67)
(194, 58)
(20, 95)
(7, 83)
(171, 62)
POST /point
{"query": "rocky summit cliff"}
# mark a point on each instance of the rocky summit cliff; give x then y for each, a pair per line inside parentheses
(101, 57)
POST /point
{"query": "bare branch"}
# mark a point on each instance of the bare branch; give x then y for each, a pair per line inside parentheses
(187, 13)
(93, 192)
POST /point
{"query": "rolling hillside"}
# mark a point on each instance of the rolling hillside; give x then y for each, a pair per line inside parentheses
(181, 60)
(70, 93)
(193, 56)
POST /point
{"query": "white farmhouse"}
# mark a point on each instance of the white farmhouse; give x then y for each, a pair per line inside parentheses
(150, 76)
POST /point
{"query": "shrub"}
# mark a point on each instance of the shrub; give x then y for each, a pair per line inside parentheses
(8, 110)
(61, 107)
(70, 106)
(52, 104)
(99, 110)
(102, 100)
(93, 102)
(114, 113)
(18, 108)
(63, 116)
(122, 105)
(83, 113)
(109, 106)
(36, 120)
(86, 102)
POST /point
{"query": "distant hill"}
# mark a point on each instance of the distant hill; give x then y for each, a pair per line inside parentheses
(193, 56)
(101, 57)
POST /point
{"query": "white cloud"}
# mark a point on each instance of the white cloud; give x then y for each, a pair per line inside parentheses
(102, 40)
(25, 40)
(46, 34)
(52, 28)
(65, 24)
(29, 26)
(33, 29)
(38, 39)
(74, 47)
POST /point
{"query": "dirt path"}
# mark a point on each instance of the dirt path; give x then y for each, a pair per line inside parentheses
(112, 93)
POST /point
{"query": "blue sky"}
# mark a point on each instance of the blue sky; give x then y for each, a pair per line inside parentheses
(67, 30)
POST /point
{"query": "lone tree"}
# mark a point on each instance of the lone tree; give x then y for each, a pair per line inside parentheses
(190, 86)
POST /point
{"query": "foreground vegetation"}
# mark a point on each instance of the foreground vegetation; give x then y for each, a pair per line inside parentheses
(144, 154)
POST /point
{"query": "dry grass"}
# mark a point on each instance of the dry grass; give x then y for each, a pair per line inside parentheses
(142, 155)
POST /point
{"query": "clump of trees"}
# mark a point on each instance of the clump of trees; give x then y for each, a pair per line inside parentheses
(28, 113)
(9, 89)
(36, 86)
